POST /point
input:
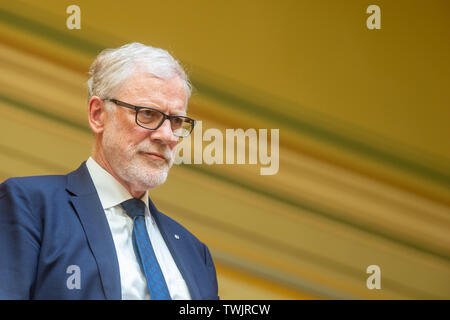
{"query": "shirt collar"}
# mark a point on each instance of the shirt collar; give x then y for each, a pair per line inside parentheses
(110, 191)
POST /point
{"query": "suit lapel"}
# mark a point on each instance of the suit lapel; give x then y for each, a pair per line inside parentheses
(95, 225)
(176, 247)
(87, 205)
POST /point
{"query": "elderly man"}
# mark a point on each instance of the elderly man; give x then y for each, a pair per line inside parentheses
(95, 233)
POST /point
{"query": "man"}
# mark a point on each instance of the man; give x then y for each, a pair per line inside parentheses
(95, 233)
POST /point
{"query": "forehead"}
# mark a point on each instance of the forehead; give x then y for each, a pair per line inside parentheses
(143, 88)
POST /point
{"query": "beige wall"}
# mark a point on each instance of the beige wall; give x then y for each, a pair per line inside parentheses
(363, 117)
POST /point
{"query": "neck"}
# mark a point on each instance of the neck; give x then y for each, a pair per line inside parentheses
(100, 158)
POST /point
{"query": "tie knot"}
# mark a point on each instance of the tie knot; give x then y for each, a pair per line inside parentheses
(134, 207)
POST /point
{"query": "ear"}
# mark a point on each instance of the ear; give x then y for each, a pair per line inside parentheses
(96, 114)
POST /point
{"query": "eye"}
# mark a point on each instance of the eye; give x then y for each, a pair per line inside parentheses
(177, 122)
(149, 116)
(147, 113)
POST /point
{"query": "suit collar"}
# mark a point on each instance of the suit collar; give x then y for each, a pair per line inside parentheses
(110, 191)
(79, 182)
(177, 248)
(86, 203)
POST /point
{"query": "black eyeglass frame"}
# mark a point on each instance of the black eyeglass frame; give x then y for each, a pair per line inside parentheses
(165, 116)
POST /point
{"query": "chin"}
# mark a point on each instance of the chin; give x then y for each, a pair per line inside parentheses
(142, 174)
(149, 179)
(156, 181)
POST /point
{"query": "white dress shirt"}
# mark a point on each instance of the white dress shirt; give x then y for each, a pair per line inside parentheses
(132, 279)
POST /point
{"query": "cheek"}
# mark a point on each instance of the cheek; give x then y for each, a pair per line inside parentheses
(118, 141)
(138, 136)
(129, 134)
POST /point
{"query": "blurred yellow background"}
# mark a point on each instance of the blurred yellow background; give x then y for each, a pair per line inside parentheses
(364, 175)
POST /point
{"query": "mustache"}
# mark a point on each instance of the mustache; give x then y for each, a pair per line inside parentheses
(163, 151)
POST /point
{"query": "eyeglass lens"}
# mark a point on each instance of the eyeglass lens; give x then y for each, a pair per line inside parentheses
(151, 119)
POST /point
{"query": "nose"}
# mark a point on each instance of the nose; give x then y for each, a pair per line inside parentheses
(164, 134)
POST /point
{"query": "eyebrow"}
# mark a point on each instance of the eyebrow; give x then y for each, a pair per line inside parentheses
(153, 104)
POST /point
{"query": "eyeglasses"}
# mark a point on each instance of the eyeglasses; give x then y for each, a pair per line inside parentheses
(152, 119)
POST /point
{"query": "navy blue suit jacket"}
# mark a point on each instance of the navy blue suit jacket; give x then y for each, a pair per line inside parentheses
(49, 223)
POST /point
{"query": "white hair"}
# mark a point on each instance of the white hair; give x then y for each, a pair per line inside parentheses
(113, 67)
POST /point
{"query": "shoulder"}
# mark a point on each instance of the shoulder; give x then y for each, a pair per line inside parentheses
(32, 191)
(21, 201)
(33, 184)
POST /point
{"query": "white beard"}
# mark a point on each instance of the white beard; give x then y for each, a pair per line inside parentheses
(132, 166)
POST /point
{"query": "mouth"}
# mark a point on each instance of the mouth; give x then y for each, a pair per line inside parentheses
(155, 156)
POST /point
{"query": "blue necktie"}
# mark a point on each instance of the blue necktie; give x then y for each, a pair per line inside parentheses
(143, 250)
